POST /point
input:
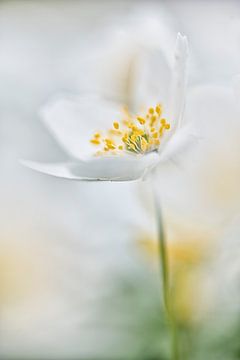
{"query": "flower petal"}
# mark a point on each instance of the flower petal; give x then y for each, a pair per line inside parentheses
(179, 81)
(105, 168)
(182, 140)
(150, 79)
(73, 121)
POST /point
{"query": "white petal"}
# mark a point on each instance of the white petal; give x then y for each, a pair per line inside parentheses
(179, 81)
(105, 168)
(182, 140)
(150, 79)
(73, 121)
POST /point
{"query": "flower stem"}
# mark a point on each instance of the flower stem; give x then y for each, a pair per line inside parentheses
(164, 271)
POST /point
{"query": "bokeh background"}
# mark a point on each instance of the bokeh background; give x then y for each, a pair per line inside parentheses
(79, 276)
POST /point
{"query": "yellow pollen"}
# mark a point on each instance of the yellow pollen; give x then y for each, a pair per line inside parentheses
(125, 138)
(151, 110)
(115, 132)
(141, 120)
(97, 135)
(153, 120)
(116, 125)
(120, 147)
(95, 142)
(155, 135)
(158, 109)
(167, 126)
(163, 121)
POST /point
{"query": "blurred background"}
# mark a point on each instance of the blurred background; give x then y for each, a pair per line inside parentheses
(79, 274)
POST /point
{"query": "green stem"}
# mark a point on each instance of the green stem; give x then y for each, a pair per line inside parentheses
(164, 271)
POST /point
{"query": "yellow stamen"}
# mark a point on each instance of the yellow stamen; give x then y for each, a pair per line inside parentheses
(115, 132)
(139, 134)
(158, 109)
(95, 142)
(141, 120)
(144, 144)
(153, 120)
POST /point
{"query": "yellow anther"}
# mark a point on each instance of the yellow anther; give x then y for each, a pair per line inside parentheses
(110, 144)
(130, 125)
(141, 120)
(97, 135)
(155, 135)
(120, 147)
(125, 138)
(138, 132)
(167, 126)
(116, 125)
(151, 110)
(95, 142)
(115, 132)
(163, 121)
(157, 142)
(111, 147)
(133, 137)
(152, 130)
(158, 109)
(153, 120)
(161, 130)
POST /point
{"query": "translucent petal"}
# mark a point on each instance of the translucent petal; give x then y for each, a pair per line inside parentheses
(179, 82)
(150, 79)
(73, 121)
(182, 140)
(105, 168)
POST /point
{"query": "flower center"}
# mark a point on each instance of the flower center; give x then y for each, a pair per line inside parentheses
(134, 134)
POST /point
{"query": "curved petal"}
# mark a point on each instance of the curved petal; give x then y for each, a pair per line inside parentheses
(181, 141)
(73, 121)
(105, 168)
(151, 76)
(179, 82)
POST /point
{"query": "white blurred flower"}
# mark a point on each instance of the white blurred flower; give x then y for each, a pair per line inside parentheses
(209, 181)
(143, 142)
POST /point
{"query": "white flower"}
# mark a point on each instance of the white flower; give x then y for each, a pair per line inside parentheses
(131, 150)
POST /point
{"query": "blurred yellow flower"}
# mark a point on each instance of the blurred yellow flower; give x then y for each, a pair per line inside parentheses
(188, 248)
(22, 274)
